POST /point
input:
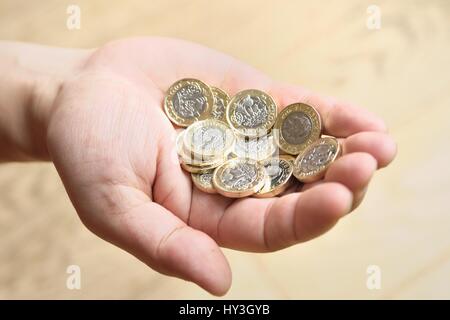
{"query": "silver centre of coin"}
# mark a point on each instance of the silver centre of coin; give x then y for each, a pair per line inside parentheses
(208, 139)
(317, 157)
(277, 170)
(296, 128)
(251, 111)
(219, 107)
(239, 176)
(206, 178)
(189, 101)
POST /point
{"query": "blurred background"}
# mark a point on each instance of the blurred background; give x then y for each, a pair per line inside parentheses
(398, 68)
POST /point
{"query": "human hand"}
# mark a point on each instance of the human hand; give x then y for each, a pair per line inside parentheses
(113, 147)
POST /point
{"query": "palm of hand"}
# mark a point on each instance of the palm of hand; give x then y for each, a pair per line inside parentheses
(113, 147)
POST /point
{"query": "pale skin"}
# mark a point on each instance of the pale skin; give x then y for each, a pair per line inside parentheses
(97, 114)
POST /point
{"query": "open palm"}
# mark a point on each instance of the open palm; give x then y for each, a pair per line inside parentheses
(113, 147)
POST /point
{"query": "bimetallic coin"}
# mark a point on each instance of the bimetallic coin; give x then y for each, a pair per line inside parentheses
(251, 113)
(312, 164)
(288, 157)
(209, 139)
(190, 159)
(297, 126)
(238, 178)
(221, 100)
(259, 148)
(200, 169)
(187, 101)
(203, 181)
(278, 174)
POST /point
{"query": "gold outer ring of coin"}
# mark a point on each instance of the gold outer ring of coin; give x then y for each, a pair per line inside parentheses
(320, 171)
(202, 185)
(189, 144)
(268, 190)
(261, 130)
(316, 127)
(272, 147)
(200, 169)
(170, 109)
(257, 184)
(188, 158)
(219, 93)
(288, 157)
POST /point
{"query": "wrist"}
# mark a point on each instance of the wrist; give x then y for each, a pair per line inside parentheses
(28, 89)
(42, 93)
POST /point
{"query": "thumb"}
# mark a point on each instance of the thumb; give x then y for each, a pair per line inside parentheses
(166, 244)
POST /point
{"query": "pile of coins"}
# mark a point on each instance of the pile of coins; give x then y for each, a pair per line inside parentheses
(242, 146)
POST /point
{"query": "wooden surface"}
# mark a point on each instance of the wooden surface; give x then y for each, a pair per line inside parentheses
(401, 72)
